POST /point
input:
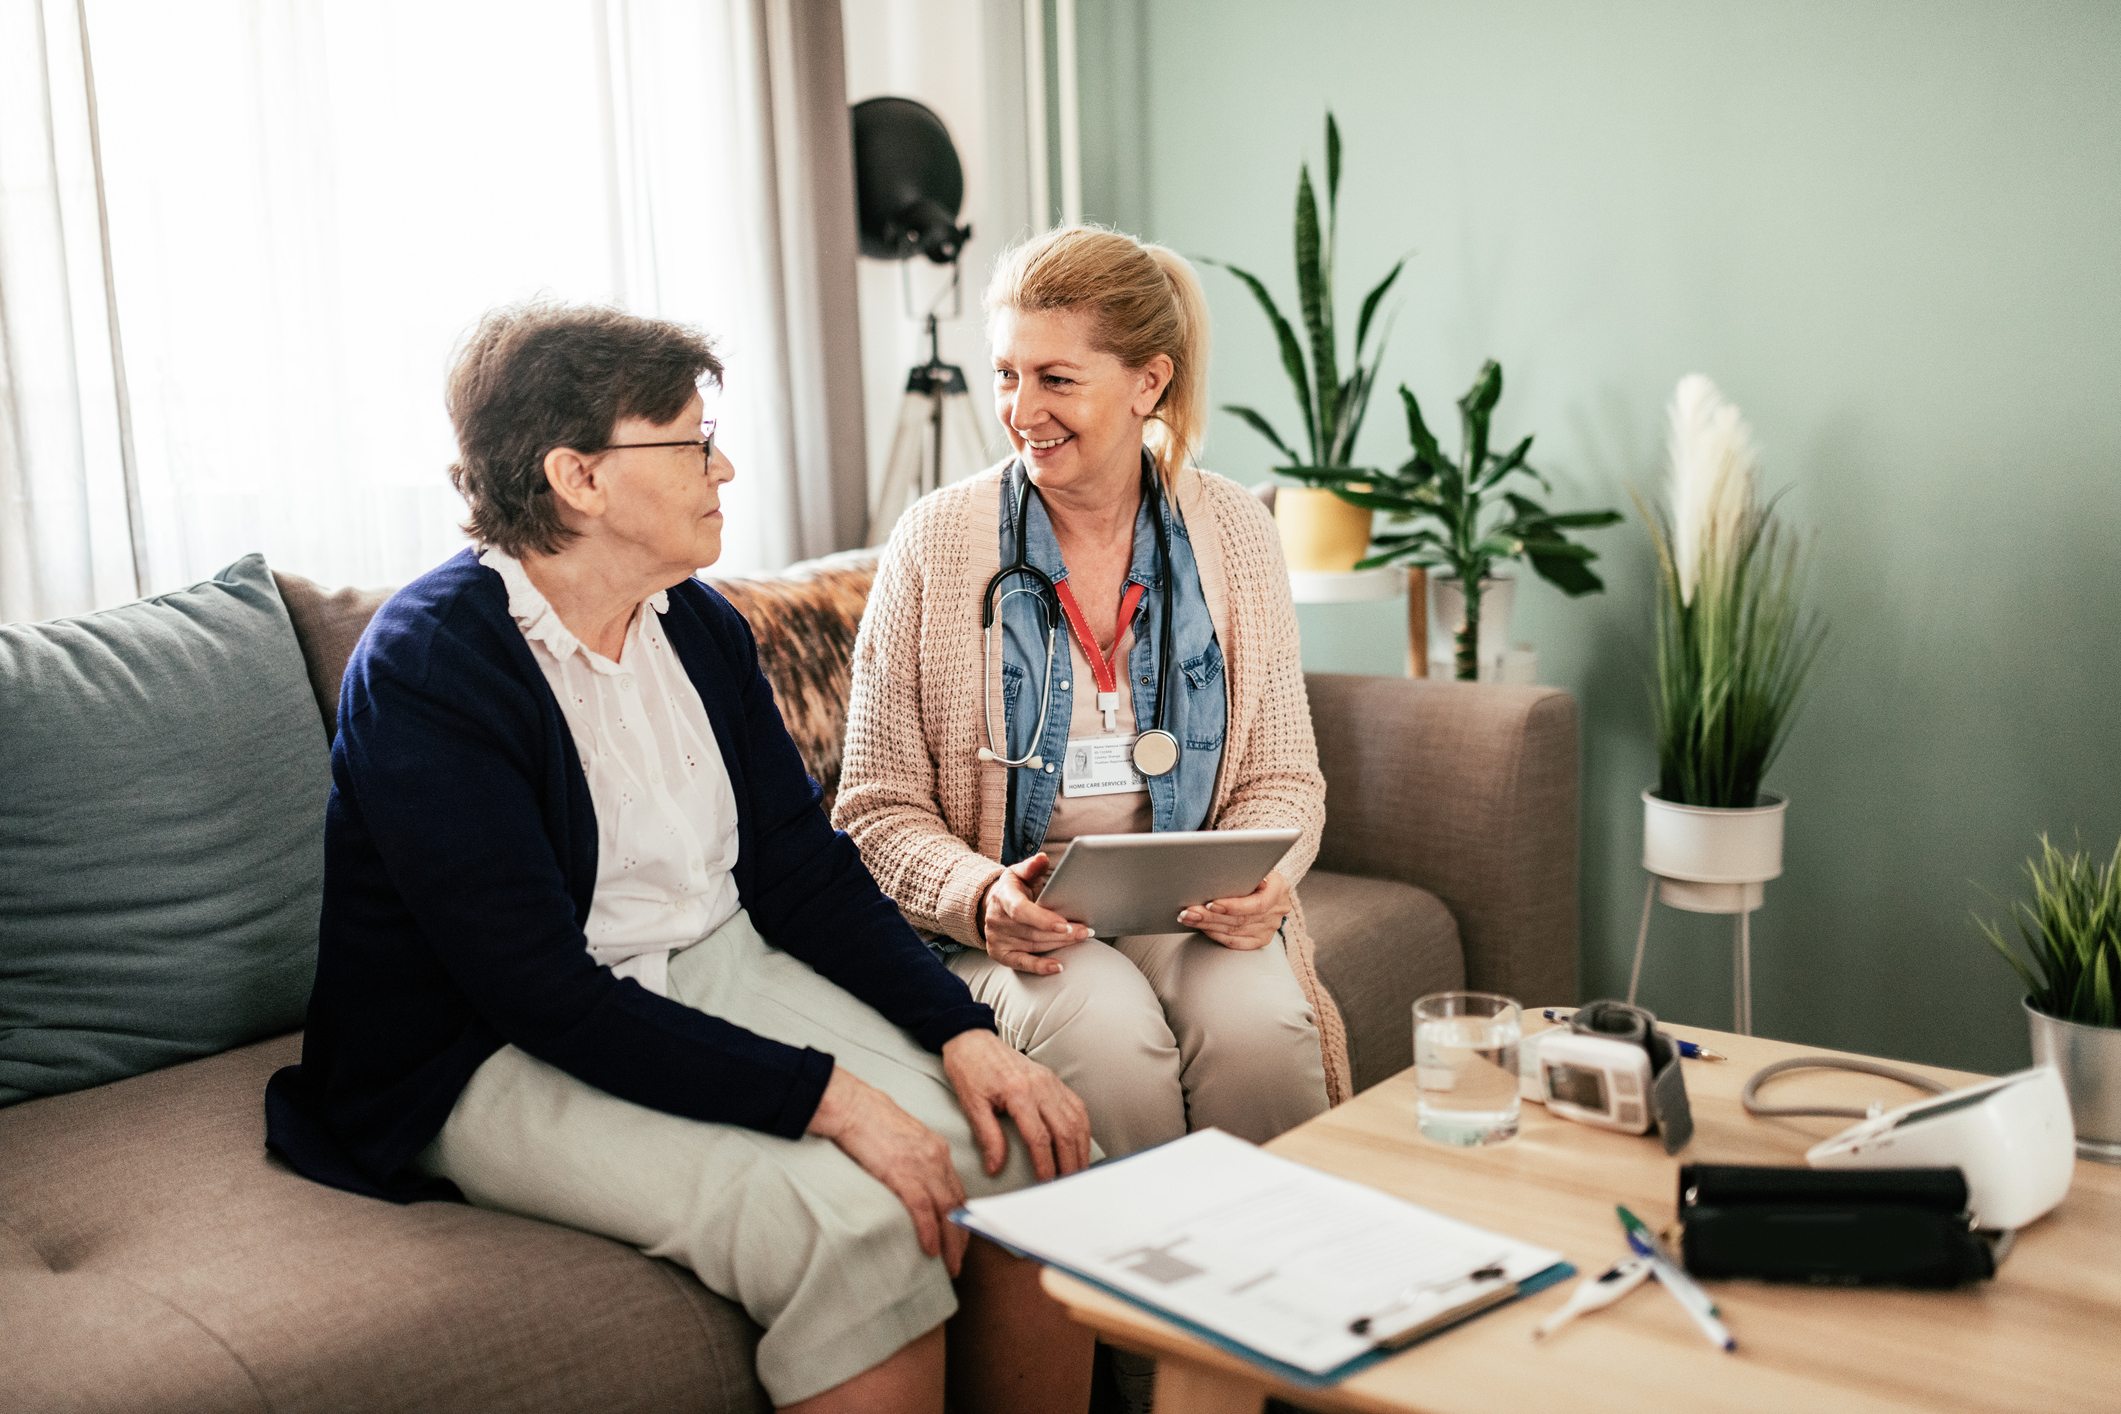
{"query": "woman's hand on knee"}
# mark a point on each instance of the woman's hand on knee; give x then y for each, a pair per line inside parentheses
(992, 1079)
(900, 1152)
(1244, 924)
(1015, 931)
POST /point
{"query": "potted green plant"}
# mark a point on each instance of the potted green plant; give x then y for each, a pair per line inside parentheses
(1463, 519)
(1734, 648)
(1320, 531)
(2071, 933)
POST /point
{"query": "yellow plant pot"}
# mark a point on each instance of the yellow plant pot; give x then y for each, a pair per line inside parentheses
(1320, 533)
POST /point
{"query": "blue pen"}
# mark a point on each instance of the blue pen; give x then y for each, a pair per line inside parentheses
(1689, 1049)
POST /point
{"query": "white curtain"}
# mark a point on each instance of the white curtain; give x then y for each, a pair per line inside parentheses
(309, 204)
(65, 539)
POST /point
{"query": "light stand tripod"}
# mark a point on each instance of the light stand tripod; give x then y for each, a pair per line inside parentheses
(938, 439)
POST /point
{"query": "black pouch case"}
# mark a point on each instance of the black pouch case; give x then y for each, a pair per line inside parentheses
(1848, 1227)
(1617, 1021)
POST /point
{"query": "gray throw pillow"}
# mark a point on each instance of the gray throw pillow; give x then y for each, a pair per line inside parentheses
(162, 785)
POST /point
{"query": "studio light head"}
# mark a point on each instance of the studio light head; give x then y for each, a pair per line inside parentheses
(908, 182)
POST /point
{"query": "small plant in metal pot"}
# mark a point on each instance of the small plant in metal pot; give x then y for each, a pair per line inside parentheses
(2069, 959)
(2071, 933)
(1463, 519)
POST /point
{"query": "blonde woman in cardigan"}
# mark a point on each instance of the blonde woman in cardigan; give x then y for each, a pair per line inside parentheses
(1100, 354)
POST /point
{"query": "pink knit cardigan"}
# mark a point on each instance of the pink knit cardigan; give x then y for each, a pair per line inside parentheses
(928, 815)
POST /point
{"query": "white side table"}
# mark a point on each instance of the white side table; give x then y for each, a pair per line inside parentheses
(1384, 582)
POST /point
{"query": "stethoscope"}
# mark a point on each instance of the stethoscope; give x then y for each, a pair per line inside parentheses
(1155, 750)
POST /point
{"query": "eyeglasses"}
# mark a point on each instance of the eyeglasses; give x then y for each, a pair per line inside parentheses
(705, 444)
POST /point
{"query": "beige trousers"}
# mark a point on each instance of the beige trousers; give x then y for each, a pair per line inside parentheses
(818, 1252)
(1164, 1033)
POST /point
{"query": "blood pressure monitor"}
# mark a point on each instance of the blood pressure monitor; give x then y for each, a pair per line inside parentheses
(1594, 1080)
(1609, 1066)
(2011, 1136)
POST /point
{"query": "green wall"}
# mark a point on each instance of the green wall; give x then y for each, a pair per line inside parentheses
(1892, 234)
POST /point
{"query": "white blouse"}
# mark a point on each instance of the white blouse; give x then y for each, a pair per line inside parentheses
(666, 815)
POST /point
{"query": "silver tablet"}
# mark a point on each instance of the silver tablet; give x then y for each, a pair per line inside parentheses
(1123, 884)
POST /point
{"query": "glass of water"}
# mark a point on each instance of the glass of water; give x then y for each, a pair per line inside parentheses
(1465, 1061)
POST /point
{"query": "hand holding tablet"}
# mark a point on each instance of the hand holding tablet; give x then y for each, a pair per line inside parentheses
(1115, 885)
(1243, 924)
(1016, 931)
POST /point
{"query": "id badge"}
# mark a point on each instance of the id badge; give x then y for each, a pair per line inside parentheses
(1100, 765)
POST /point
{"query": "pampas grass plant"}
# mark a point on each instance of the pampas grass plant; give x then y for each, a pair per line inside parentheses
(1734, 643)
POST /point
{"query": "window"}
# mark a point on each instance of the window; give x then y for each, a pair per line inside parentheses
(309, 205)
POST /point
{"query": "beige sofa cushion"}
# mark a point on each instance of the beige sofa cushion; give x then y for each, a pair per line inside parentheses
(1381, 944)
(82, 1340)
(152, 1256)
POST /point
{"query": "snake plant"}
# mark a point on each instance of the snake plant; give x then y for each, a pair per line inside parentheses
(1332, 406)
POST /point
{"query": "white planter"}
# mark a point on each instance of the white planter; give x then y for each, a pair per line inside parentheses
(2089, 1058)
(1713, 860)
(1447, 605)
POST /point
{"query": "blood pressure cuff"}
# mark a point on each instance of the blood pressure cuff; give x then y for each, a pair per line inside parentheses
(1617, 1021)
(1897, 1227)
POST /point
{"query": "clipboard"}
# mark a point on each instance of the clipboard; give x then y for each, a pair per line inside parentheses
(1263, 1257)
(1293, 1374)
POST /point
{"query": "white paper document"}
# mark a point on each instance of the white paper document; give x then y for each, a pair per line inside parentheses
(1278, 1257)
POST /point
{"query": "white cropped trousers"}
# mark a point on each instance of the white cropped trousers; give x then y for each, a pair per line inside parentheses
(816, 1251)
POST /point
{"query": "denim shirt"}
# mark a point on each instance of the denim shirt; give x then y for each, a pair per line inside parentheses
(1196, 707)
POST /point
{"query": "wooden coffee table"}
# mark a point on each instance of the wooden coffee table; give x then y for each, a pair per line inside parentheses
(2045, 1335)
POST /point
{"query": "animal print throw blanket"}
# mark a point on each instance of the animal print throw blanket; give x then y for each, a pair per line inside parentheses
(805, 619)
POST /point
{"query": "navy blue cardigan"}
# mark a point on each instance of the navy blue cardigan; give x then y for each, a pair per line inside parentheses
(460, 859)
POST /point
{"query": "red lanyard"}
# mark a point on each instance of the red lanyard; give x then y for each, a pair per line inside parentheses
(1103, 668)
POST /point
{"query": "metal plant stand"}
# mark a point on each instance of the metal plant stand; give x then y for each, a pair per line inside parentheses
(1712, 859)
(1741, 943)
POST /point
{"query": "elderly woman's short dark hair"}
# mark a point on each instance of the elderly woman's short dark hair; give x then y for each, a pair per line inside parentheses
(537, 376)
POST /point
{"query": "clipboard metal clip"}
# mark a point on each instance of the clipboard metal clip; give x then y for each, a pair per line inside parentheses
(1485, 1285)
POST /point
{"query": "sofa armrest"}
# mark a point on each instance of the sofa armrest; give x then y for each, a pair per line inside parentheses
(1468, 790)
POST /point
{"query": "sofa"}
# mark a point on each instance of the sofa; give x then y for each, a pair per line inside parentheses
(163, 768)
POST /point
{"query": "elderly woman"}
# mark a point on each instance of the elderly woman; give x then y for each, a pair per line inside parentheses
(590, 951)
(961, 787)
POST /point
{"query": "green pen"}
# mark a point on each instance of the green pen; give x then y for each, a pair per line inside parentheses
(1685, 1290)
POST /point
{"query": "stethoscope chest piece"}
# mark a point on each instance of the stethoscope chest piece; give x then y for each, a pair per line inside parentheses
(1155, 752)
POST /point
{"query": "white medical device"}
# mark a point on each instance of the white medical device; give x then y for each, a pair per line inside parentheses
(2012, 1137)
(1594, 1080)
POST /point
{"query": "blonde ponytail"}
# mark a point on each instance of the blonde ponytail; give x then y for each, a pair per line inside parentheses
(1145, 300)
